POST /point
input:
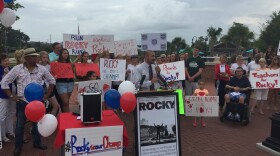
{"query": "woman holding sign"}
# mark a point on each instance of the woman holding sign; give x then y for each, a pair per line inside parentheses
(273, 93)
(223, 73)
(64, 86)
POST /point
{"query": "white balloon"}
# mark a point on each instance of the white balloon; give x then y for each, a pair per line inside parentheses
(8, 17)
(47, 125)
(126, 86)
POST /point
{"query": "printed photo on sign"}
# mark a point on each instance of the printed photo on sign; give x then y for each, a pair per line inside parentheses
(265, 79)
(153, 41)
(112, 69)
(157, 136)
(76, 44)
(207, 106)
(174, 71)
(97, 141)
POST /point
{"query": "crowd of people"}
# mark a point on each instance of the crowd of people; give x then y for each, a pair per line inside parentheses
(35, 67)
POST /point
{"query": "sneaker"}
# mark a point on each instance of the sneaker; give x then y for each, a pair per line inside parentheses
(237, 117)
(230, 116)
(5, 139)
(194, 124)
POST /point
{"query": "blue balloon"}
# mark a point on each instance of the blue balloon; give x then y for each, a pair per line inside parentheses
(112, 98)
(8, 1)
(34, 91)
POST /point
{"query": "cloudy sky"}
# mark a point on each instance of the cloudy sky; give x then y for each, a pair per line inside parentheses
(127, 19)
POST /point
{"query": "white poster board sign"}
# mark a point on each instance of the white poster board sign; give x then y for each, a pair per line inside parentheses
(207, 106)
(157, 125)
(126, 47)
(174, 71)
(154, 42)
(112, 69)
(93, 86)
(76, 44)
(264, 79)
(97, 141)
(102, 43)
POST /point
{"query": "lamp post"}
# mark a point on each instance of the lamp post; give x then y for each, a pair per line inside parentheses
(205, 39)
(195, 40)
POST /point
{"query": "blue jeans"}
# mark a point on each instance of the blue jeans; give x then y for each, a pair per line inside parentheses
(21, 120)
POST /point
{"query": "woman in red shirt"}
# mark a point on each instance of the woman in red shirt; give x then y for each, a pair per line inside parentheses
(222, 73)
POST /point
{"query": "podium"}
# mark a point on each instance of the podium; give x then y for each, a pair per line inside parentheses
(273, 141)
(157, 124)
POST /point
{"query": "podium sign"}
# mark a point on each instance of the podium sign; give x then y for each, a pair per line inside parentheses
(158, 124)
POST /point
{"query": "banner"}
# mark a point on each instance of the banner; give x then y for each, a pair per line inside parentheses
(126, 47)
(62, 70)
(112, 69)
(97, 141)
(174, 71)
(100, 43)
(94, 86)
(154, 42)
(157, 125)
(202, 106)
(83, 68)
(76, 44)
(264, 79)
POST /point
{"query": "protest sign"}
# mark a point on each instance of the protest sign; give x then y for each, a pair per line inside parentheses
(97, 141)
(93, 86)
(112, 69)
(153, 41)
(157, 124)
(264, 79)
(100, 43)
(76, 44)
(202, 106)
(62, 70)
(278, 51)
(174, 71)
(83, 68)
(126, 47)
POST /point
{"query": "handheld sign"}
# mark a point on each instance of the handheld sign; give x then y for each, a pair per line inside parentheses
(100, 43)
(83, 68)
(62, 70)
(153, 41)
(264, 79)
(112, 69)
(76, 44)
(202, 106)
(174, 71)
(126, 47)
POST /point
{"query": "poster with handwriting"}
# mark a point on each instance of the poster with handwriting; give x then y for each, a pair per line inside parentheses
(62, 70)
(97, 141)
(174, 71)
(207, 106)
(126, 47)
(264, 79)
(112, 69)
(76, 44)
(100, 43)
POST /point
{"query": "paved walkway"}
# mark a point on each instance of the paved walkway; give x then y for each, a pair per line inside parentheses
(225, 139)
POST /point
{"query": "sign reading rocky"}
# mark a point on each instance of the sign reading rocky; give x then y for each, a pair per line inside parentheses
(202, 106)
(265, 79)
(173, 71)
(112, 69)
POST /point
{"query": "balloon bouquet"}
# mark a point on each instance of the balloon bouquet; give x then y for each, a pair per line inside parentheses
(35, 110)
(7, 15)
(124, 97)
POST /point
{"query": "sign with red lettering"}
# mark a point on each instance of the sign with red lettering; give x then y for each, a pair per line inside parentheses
(126, 47)
(83, 68)
(62, 70)
(112, 69)
(174, 71)
(76, 44)
(202, 106)
(264, 79)
(97, 141)
(100, 43)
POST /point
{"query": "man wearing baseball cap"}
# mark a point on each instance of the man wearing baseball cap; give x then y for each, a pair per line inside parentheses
(25, 74)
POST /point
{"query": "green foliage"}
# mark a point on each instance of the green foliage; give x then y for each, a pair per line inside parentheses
(176, 44)
(213, 34)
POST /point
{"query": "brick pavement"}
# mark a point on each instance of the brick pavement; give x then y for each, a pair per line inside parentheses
(227, 139)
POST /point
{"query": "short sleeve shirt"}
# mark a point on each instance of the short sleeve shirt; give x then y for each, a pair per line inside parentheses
(203, 92)
(193, 64)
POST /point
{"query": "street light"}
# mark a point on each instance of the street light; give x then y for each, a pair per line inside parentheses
(195, 40)
(205, 39)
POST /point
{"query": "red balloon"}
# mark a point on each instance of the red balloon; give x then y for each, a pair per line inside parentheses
(128, 102)
(35, 111)
(2, 4)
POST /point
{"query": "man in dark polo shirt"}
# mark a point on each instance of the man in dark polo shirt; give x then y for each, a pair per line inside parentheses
(194, 67)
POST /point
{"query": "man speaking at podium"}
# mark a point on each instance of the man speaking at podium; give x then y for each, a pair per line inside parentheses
(145, 77)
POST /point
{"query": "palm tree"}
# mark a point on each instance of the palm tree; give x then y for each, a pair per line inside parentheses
(176, 44)
(213, 34)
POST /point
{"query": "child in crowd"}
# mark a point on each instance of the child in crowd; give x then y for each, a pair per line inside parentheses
(201, 91)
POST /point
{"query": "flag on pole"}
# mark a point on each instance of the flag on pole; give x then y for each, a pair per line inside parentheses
(78, 29)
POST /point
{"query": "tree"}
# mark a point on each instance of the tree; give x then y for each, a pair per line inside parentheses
(270, 34)
(239, 34)
(176, 44)
(16, 38)
(213, 34)
(4, 31)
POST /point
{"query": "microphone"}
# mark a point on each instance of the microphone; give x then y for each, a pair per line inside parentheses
(141, 81)
(162, 80)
